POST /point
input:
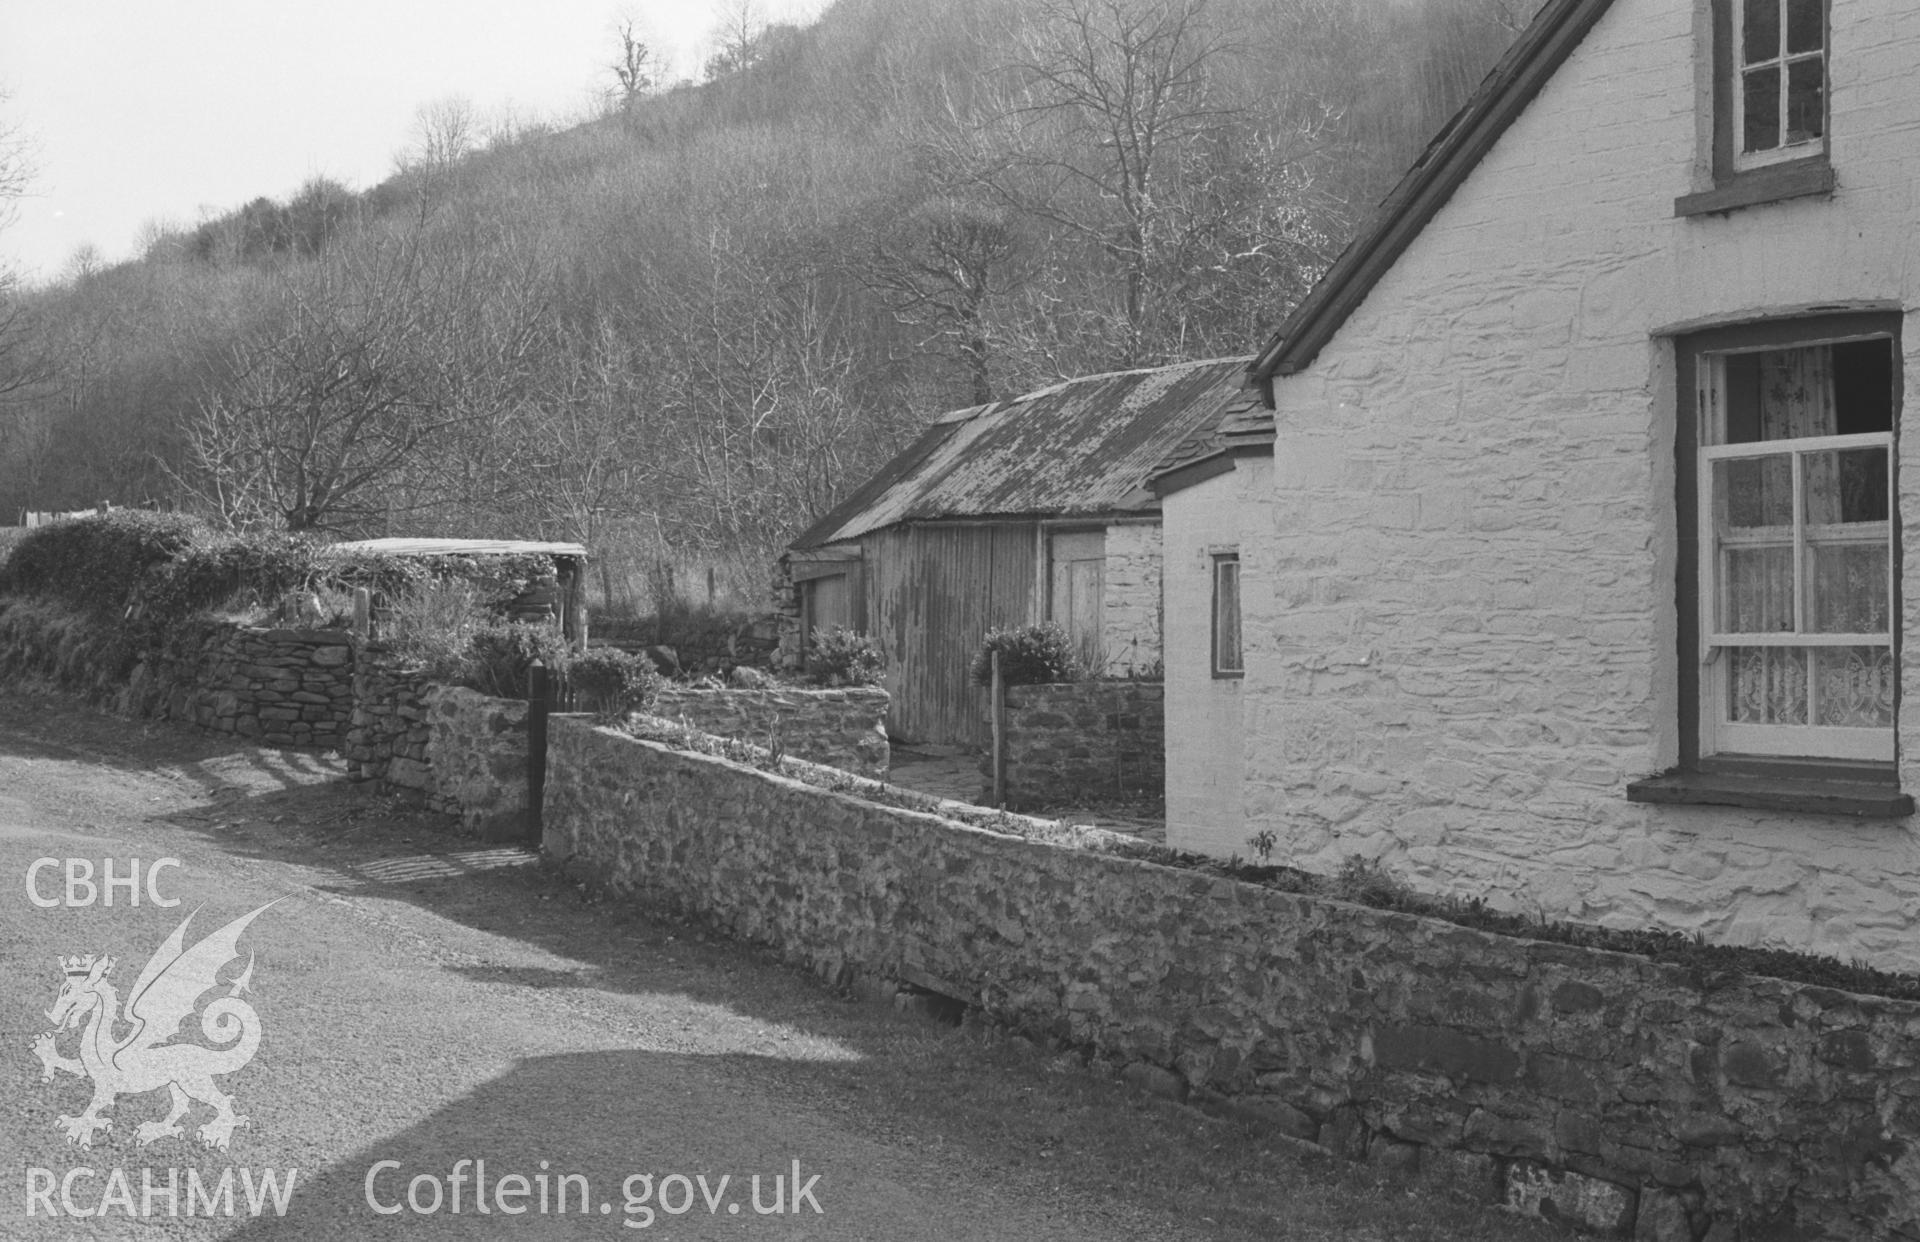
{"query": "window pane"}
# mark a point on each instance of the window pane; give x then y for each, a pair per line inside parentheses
(1760, 33)
(1782, 394)
(1805, 27)
(1226, 616)
(1753, 526)
(1847, 587)
(1849, 541)
(1853, 687)
(1763, 109)
(1806, 113)
(1754, 492)
(1767, 685)
(1758, 593)
(1849, 485)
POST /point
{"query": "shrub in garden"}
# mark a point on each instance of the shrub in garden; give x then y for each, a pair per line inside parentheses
(95, 564)
(248, 571)
(840, 657)
(610, 682)
(496, 657)
(1030, 655)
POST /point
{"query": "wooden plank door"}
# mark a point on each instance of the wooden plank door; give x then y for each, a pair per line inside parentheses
(1076, 589)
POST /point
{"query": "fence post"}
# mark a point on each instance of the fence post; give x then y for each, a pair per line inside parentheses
(362, 613)
(999, 734)
(539, 703)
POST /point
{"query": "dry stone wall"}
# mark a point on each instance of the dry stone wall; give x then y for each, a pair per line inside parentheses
(844, 728)
(387, 734)
(1083, 741)
(278, 686)
(1635, 1098)
(282, 687)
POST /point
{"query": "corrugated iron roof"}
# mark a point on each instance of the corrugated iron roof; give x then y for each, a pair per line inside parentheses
(1079, 448)
(451, 547)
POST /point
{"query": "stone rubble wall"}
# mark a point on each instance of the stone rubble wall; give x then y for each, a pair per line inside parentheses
(1634, 1098)
(281, 687)
(477, 761)
(1083, 741)
(387, 734)
(842, 728)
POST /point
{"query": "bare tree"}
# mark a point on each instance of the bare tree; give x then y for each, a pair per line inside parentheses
(22, 363)
(323, 413)
(938, 265)
(637, 68)
(739, 39)
(445, 132)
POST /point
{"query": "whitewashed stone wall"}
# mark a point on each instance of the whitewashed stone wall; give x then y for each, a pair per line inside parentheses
(1130, 610)
(1205, 723)
(1468, 648)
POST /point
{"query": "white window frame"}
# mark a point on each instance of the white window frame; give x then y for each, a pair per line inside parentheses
(1719, 735)
(1782, 60)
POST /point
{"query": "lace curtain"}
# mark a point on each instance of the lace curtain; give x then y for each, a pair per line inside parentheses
(1795, 394)
(1845, 575)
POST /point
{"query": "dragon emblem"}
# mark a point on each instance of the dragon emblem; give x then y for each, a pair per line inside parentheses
(139, 1061)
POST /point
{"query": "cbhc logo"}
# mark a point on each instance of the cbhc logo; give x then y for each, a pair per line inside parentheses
(83, 890)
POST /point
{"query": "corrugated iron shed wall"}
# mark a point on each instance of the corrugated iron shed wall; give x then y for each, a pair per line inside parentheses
(933, 592)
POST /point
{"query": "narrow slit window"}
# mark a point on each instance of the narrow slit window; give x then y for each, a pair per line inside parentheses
(1228, 660)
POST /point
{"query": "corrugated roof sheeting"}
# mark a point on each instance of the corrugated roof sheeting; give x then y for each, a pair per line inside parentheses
(1082, 447)
(400, 546)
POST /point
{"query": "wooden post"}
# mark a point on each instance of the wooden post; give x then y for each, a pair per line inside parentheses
(999, 734)
(539, 702)
(575, 607)
(362, 613)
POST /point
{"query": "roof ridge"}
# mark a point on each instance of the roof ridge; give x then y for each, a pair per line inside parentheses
(1070, 381)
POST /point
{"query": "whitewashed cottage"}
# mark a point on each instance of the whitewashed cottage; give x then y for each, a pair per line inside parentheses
(1569, 559)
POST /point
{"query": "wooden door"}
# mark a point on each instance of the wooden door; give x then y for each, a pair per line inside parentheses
(829, 605)
(1076, 589)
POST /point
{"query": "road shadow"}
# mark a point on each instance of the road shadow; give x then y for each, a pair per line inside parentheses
(597, 1119)
(50, 728)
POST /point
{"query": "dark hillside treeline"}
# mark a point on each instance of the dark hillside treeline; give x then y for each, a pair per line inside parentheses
(684, 329)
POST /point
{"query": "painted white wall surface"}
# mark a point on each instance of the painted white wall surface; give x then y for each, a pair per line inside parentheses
(1205, 725)
(1466, 646)
(1130, 613)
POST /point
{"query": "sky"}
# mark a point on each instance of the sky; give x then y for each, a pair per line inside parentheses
(142, 111)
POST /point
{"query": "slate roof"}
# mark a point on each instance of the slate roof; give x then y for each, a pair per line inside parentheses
(1528, 65)
(1081, 448)
(1244, 424)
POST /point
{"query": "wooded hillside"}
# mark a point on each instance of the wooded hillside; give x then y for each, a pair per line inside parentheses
(682, 330)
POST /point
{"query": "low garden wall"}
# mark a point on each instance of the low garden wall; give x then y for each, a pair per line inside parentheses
(387, 732)
(477, 760)
(283, 687)
(1631, 1097)
(1084, 741)
(844, 728)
